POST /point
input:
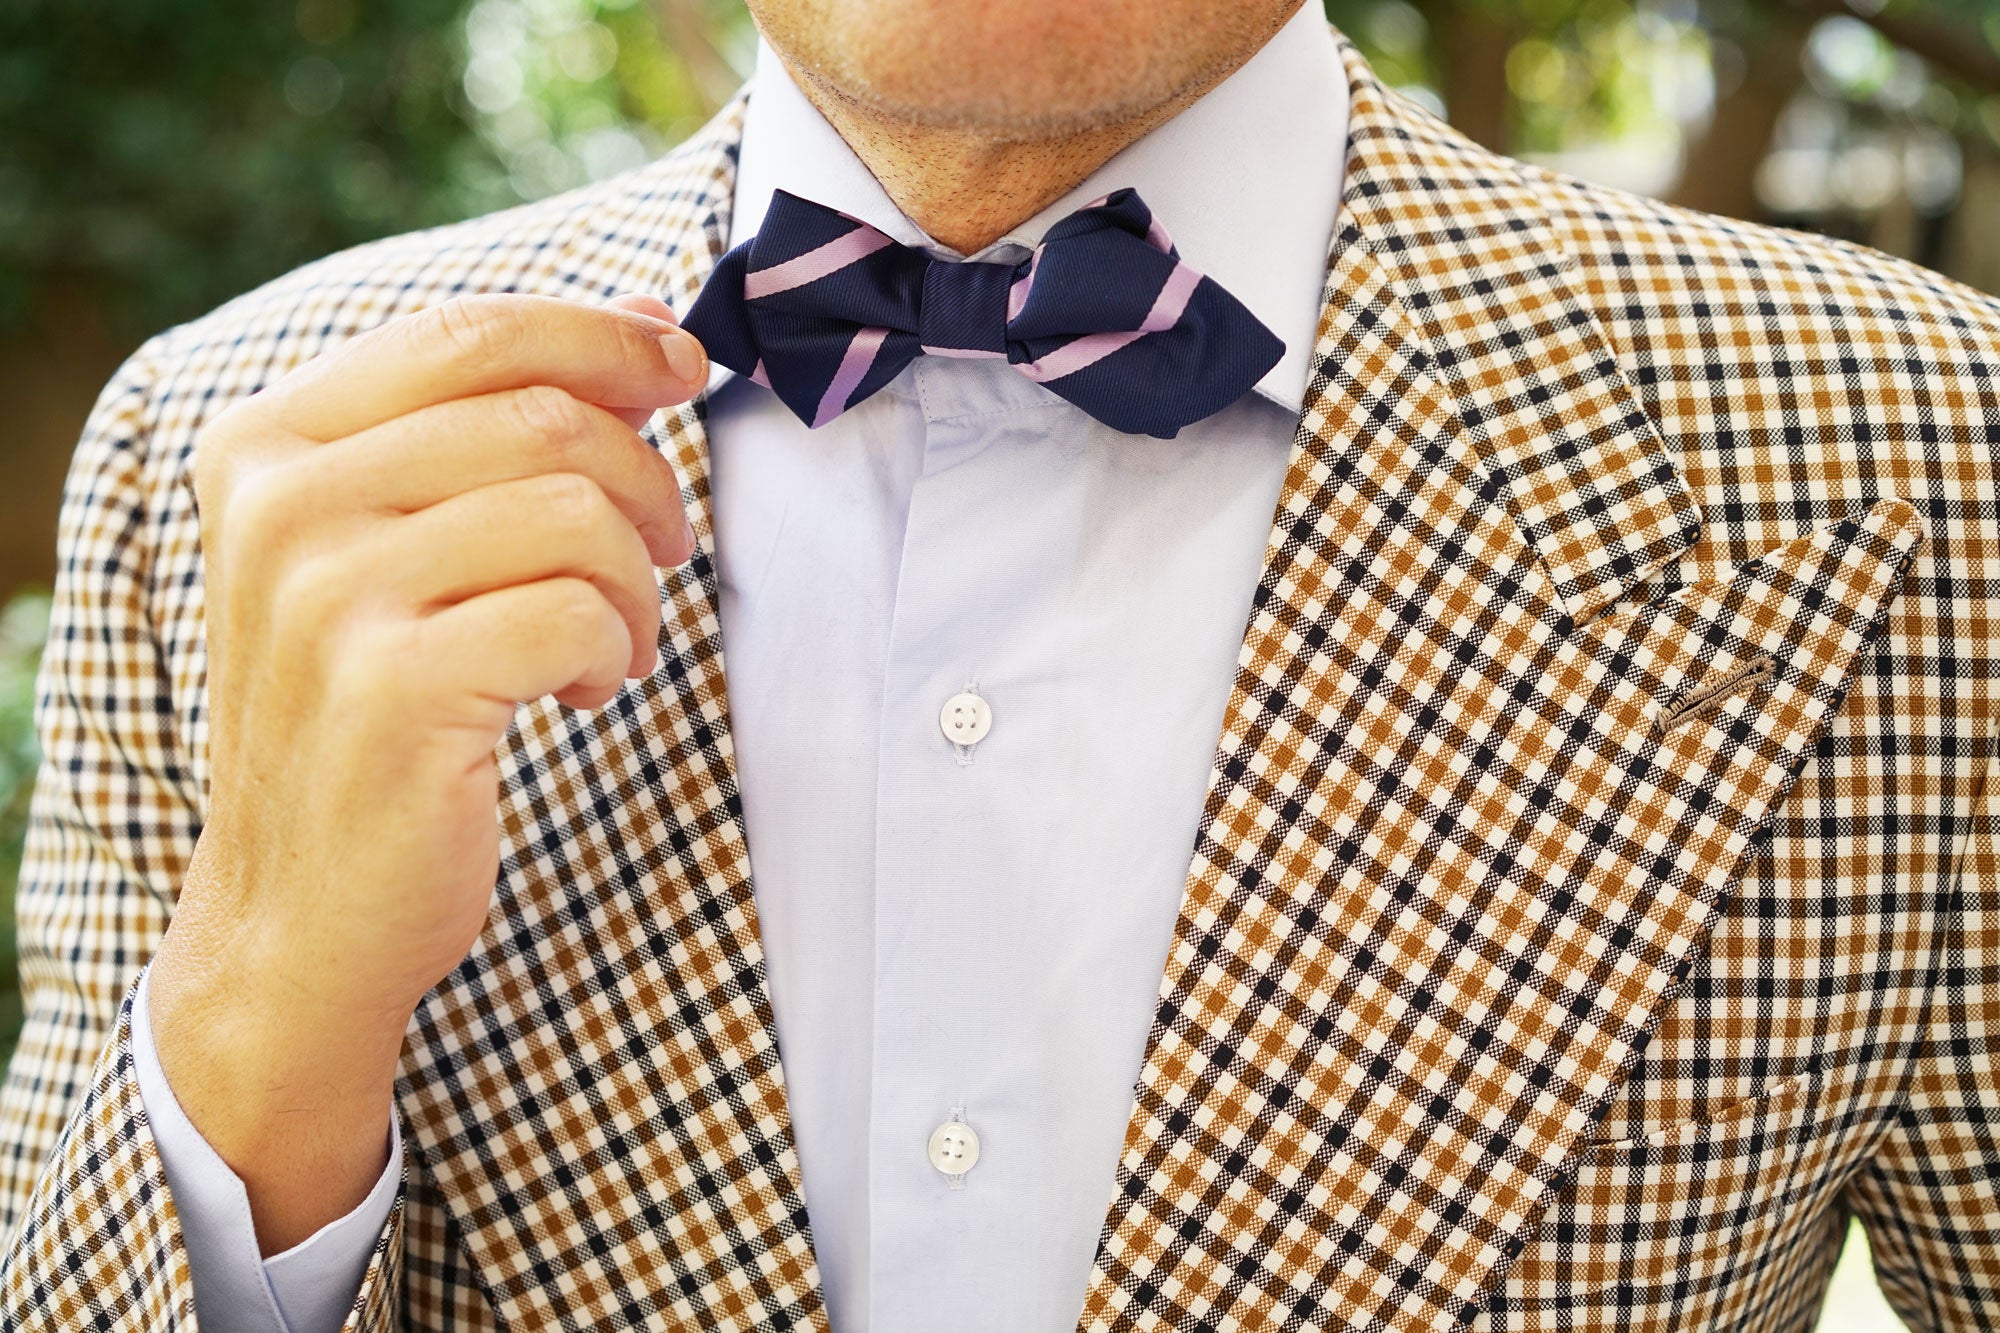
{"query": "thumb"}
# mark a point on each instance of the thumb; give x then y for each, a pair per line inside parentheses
(639, 303)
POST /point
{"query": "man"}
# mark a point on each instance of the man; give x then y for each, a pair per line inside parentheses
(1595, 888)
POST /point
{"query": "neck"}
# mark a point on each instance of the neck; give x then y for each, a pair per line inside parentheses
(965, 188)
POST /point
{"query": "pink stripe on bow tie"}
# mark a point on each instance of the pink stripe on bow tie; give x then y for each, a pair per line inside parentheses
(814, 264)
(854, 364)
(1017, 295)
(1094, 347)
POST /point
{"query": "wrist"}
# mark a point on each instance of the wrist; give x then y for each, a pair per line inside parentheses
(231, 976)
(293, 1089)
(238, 1030)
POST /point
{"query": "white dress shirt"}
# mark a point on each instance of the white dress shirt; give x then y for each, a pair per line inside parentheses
(957, 932)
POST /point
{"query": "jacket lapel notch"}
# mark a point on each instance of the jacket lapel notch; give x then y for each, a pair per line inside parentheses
(596, 1090)
(1496, 300)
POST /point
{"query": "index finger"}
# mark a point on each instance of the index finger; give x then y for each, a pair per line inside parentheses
(615, 358)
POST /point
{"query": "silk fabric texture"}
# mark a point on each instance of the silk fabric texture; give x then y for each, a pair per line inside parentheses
(825, 310)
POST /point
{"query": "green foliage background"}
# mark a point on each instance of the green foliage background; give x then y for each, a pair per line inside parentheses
(23, 626)
(172, 153)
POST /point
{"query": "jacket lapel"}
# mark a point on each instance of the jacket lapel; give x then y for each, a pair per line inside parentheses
(1448, 871)
(596, 1090)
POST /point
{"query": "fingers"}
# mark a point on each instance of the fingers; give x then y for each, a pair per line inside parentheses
(556, 636)
(429, 455)
(474, 345)
(554, 525)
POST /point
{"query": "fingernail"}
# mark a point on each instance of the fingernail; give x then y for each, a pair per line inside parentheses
(685, 356)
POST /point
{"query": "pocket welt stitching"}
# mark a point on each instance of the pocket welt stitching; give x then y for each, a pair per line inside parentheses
(1770, 1100)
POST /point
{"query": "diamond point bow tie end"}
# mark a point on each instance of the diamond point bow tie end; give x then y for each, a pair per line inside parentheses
(824, 309)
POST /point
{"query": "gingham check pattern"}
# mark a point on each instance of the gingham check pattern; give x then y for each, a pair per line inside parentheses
(1547, 959)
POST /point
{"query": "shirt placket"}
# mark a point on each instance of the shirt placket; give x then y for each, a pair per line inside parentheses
(949, 1180)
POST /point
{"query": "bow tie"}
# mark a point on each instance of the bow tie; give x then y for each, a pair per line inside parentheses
(823, 310)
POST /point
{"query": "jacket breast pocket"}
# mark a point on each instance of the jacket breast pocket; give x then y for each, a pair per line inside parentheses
(1668, 1229)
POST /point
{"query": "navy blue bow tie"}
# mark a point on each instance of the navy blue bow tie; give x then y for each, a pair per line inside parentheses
(824, 309)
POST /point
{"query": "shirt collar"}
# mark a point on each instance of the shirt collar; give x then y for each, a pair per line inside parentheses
(1255, 211)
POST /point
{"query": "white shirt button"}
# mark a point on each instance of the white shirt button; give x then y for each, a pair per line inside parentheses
(954, 1147)
(965, 719)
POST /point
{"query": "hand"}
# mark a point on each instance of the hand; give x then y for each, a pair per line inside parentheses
(401, 540)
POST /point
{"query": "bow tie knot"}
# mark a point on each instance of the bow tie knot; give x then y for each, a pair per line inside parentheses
(824, 309)
(963, 308)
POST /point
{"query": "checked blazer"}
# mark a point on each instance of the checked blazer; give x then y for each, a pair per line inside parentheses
(1596, 903)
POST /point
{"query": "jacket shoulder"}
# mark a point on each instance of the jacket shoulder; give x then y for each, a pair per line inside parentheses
(1759, 288)
(1795, 379)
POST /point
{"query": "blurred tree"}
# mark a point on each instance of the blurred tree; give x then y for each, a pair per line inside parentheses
(157, 158)
(1871, 119)
(566, 91)
(164, 155)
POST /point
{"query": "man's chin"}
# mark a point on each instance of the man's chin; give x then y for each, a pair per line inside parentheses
(1026, 70)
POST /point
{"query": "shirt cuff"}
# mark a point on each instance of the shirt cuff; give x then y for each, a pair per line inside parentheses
(307, 1289)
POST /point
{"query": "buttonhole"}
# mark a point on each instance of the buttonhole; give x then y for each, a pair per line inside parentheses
(1692, 705)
